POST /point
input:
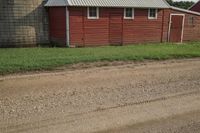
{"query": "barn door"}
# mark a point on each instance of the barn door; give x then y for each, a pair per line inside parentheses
(176, 28)
(115, 27)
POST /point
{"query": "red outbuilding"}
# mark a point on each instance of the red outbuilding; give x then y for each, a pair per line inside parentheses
(79, 23)
(195, 7)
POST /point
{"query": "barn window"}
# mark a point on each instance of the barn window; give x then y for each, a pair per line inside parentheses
(128, 13)
(191, 20)
(93, 12)
(152, 14)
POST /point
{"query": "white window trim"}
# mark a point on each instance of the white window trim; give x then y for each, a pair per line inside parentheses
(152, 17)
(133, 14)
(88, 13)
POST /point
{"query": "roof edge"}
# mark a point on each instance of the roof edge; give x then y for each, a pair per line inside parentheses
(120, 7)
(59, 3)
(68, 2)
(166, 3)
(185, 10)
(193, 5)
(51, 3)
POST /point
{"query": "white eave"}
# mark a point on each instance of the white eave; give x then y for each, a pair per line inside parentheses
(184, 10)
(110, 3)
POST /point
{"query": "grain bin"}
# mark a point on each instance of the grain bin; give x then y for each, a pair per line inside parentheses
(23, 23)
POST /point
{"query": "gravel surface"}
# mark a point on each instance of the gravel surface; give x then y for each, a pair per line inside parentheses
(25, 98)
(184, 123)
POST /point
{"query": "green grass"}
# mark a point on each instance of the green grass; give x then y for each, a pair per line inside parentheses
(29, 59)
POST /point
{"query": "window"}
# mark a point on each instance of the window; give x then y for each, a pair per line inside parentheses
(128, 13)
(191, 20)
(93, 12)
(152, 14)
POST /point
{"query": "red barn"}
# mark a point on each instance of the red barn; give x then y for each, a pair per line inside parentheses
(79, 23)
(195, 7)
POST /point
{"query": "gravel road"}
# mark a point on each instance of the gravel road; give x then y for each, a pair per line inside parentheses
(27, 99)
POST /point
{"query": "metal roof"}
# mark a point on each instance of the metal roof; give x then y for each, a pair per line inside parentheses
(56, 3)
(110, 3)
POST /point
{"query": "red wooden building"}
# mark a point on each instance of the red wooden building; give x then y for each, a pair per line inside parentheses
(119, 22)
(195, 7)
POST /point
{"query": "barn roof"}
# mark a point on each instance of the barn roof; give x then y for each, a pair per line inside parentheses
(56, 3)
(184, 10)
(194, 5)
(110, 3)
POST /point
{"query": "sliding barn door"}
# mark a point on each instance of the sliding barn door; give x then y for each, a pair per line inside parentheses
(176, 29)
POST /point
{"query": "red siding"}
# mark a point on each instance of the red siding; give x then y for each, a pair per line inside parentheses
(116, 26)
(141, 29)
(57, 25)
(112, 28)
(196, 7)
(97, 31)
(191, 31)
(166, 13)
(87, 32)
(76, 26)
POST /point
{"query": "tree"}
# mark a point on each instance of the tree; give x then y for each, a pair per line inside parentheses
(181, 4)
(170, 2)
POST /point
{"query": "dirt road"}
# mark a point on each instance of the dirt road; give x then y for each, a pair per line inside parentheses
(106, 99)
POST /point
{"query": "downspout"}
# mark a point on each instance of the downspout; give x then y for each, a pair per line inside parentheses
(163, 20)
(67, 28)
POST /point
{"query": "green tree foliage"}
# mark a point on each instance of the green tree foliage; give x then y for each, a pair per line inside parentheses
(170, 2)
(181, 4)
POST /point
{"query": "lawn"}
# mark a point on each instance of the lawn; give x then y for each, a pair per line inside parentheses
(29, 59)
